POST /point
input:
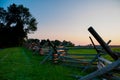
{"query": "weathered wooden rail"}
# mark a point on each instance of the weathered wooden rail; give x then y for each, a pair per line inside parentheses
(105, 69)
(78, 59)
(86, 60)
(102, 71)
(69, 59)
(54, 53)
(102, 43)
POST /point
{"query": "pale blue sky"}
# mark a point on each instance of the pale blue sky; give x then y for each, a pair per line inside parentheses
(70, 19)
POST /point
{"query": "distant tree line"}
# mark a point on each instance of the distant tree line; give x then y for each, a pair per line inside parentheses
(55, 42)
(15, 23)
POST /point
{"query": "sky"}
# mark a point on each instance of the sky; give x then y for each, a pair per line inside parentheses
(70, 19)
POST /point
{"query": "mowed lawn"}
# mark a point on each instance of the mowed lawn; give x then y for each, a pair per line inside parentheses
(92, 51)
(19, 64)
(82, 51)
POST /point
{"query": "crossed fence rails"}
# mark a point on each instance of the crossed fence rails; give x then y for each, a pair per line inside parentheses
(103, 66)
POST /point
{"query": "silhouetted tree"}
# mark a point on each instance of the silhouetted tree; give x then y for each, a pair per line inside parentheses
(56, 42)
(67, 43)
(36, 41)
(15, 23)
(43, 42)
(64, 43)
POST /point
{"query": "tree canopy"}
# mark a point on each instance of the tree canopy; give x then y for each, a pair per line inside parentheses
(58, 43)
(15, 23)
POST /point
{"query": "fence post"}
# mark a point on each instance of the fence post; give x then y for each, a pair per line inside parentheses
(102, 43)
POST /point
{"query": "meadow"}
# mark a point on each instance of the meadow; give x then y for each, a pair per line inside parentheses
(19, 63)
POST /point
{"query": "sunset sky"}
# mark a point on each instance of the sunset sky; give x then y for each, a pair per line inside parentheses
(70, 19)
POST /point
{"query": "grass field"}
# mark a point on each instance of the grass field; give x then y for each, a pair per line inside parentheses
(82, 51)
(20, 64)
